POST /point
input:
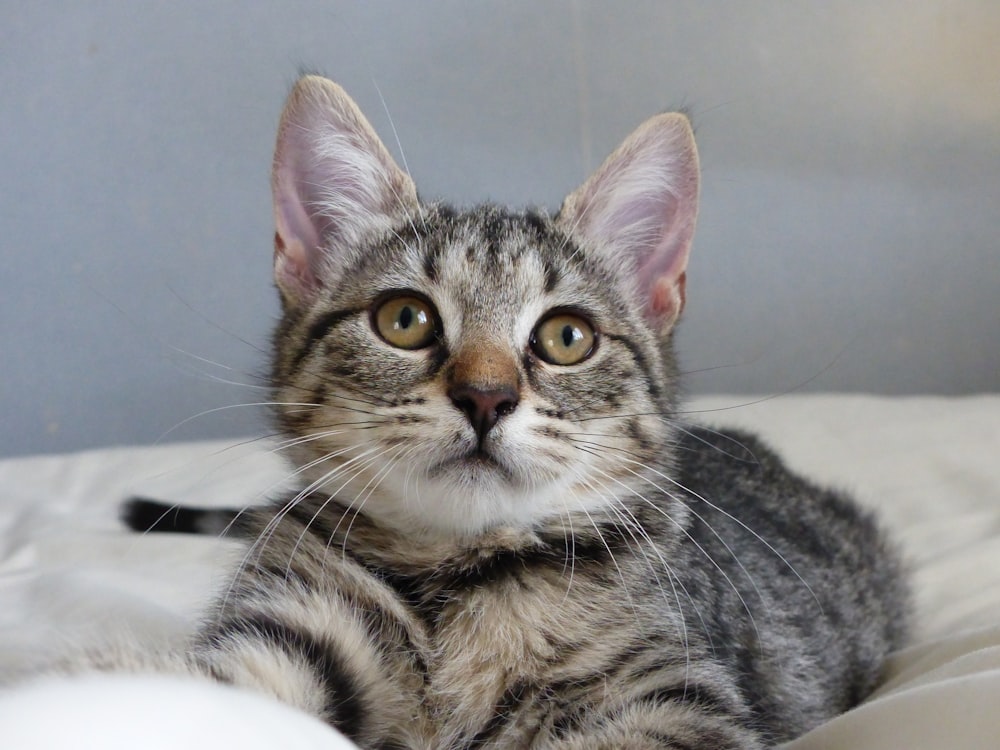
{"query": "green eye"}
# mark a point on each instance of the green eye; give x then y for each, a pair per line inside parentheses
(406, 322)
(563, 339)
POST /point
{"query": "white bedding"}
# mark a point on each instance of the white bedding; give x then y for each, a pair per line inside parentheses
(69, 574)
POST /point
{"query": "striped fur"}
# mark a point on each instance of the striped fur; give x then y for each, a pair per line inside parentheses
(556, 560)
(733, 614)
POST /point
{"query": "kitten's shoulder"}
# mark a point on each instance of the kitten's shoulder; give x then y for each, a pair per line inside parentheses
(704, 451)
(737, 469)
(735, 477)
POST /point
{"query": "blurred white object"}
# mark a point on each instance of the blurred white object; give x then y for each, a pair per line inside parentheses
(153, 712)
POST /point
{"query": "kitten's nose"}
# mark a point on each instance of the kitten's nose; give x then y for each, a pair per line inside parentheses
(482, 406)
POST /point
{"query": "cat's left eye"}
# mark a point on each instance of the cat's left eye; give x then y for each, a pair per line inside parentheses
(406, 322)
(564, 339)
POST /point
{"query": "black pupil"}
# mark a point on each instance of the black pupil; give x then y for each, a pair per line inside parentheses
(406, 317)
(568, 335)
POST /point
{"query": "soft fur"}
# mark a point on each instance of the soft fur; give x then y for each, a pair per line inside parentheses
(492, 550)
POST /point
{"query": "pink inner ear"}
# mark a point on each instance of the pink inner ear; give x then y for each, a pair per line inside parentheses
(297, 238)
(666, 300)
(291, 270)
(296, 241)
(657, 228)
(661, 274)
(333, 182)
(641, 205)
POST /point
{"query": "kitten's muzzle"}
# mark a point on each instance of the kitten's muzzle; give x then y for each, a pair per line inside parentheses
(483, 407)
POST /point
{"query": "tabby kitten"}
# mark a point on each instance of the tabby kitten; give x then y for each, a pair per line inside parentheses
(505, 536)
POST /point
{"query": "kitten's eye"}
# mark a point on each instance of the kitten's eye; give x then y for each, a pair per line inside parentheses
(406, 322)
(563, 339)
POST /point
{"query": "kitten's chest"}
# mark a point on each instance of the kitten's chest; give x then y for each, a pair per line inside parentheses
(481, 635)
(497, 647)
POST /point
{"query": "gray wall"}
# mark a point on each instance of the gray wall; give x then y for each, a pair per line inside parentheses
(848, 233)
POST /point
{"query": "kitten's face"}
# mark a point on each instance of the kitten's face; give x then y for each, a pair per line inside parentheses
(492, 302)
(454, 372)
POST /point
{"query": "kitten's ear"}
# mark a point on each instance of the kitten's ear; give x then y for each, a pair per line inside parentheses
(333, 182)
(641, 205)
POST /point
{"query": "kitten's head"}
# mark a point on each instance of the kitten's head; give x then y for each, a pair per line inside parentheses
(451, 371)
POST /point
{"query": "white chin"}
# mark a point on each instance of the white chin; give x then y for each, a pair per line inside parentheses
(459, 498)
(475, 473)
(470, 498)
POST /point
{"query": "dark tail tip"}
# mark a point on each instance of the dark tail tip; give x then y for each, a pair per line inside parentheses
(143, 514)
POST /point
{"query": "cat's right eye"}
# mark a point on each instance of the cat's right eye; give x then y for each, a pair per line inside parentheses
(406, 322)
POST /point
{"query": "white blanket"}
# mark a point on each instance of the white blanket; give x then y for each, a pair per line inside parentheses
(69, 575)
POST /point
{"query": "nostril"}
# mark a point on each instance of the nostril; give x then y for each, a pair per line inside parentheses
(506, 407)
(467, 406)
(483, 406)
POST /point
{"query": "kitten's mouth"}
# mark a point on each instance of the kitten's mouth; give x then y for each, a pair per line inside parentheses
(481, 457)
(477, 459)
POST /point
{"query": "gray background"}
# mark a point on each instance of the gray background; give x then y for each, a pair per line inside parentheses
(848, 233)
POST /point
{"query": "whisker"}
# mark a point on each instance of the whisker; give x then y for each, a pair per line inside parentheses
(402, 153)
(267, 532)
(797, 387)
(370, 457)
(340, 385)
(614, 561)
(620, 508)
(370, 488)
(714, 507)
(737, 521)
(216, 410)
(681, 427)
(214, 324)
(693, 541)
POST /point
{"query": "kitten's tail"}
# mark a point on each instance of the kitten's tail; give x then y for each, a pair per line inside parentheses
(144, 514)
